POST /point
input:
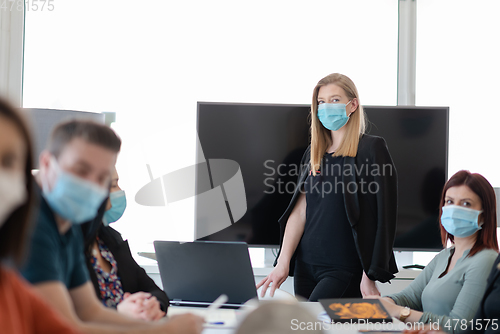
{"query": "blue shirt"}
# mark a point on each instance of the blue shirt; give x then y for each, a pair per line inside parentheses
(53, 256)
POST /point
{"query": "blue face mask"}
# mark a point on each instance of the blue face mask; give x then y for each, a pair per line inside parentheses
(73, 198)
(118, 205)
(333, 115)
(459, 221)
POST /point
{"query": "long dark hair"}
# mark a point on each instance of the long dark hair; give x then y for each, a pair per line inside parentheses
(91, 229)
(487, 236)
(14, 232)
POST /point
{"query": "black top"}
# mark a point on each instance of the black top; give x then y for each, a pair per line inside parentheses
(132, 276)
(327, 238)
(371, 209)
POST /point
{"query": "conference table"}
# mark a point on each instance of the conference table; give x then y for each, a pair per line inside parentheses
(314, 308)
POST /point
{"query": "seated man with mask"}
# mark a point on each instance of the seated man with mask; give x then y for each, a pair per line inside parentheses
(74, 177)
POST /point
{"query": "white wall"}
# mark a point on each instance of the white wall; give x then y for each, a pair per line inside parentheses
(150, 62)
(11, 52)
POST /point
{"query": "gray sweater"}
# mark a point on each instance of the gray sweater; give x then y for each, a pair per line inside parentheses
(456, 295)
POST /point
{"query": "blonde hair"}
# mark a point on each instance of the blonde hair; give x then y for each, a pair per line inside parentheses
(321, 138)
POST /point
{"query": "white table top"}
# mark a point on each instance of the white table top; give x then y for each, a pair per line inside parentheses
(315, 309)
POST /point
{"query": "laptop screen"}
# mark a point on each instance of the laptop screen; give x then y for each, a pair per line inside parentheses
(199, 272)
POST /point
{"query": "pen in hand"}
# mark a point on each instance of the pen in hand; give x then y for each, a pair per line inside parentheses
(215, 306)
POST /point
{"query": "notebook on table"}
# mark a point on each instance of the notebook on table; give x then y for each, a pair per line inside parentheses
(196, 273)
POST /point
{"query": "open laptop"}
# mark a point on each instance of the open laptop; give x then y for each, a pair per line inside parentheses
(196, 273)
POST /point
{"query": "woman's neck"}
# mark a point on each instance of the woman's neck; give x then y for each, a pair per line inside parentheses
(337, 137)
(464, 244)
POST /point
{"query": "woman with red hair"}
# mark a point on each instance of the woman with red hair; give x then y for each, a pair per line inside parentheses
(449, 290)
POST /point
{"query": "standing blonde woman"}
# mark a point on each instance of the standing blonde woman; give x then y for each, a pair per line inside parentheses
(338, 231)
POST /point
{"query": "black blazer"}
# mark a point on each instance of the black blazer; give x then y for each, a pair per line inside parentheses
(132, 276)
(372, 212)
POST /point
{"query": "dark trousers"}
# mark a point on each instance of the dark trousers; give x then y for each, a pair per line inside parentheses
(318, 282)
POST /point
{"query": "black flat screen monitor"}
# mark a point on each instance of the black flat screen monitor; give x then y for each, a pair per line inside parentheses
(268, 141)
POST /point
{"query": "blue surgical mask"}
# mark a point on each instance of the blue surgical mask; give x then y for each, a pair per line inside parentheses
(73, 198)
(118, 205)
(333, 115)
(459, 221)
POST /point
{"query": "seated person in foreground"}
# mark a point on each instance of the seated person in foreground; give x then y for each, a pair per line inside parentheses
(487, 318)
(119, 282)
(452, 285)
(75, 174)
(22, 310)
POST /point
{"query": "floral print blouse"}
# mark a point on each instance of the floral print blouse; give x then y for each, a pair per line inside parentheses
(110, 285)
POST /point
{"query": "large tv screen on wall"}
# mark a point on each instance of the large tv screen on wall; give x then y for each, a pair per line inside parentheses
(268, 141)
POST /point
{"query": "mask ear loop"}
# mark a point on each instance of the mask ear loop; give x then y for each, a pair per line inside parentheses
(55, 165)
(351, 111)
(480, 224)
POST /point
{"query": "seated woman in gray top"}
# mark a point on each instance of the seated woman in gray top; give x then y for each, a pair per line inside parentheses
(452, 285)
